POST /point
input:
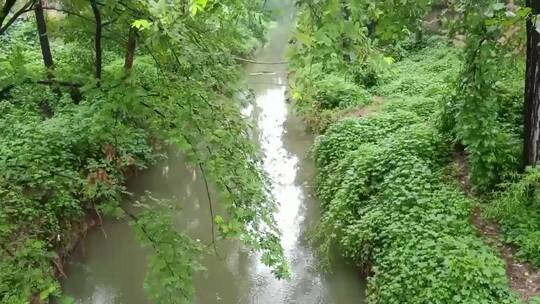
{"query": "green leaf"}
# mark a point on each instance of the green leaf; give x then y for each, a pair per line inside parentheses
(141, 24)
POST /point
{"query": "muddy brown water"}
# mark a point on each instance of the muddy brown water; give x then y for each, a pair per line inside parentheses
(109, 266)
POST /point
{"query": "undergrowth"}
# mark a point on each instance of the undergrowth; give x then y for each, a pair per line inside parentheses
(517, 208)
(387, 202)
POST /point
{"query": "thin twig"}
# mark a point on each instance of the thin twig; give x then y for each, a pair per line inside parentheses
(211, 208)
(65, 11)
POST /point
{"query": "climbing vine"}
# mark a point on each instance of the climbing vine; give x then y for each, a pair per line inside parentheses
(478, 110)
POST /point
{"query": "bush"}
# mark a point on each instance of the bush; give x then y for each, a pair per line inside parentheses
(334, 91)
(386, 207)
(426, 73)
(349, 133)
(517, 209)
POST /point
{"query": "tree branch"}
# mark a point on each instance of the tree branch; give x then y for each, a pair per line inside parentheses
(109, 22)
(60, 83)
(6, 9)
(25, 9)
(65, 11)
(259, 62)
(210, 205)
(152, 241)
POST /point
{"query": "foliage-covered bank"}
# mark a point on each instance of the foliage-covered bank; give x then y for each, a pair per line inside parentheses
(385, 180)
(100, 94)
(389, 206)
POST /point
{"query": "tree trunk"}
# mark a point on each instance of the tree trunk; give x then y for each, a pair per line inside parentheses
(43, 37)
(532, 91)
(97, 40)
(345, 41)
(5, 10)
(46, 53)
(130, 50)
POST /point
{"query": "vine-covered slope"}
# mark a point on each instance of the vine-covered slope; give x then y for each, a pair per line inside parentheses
(389, 205)
(390, 190)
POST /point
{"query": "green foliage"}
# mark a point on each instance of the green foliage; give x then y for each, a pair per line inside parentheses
(386, 203)
(174, 253)
(426, 73)
(25, 270)
(387, 208)
(69, 140)
(517, 208)
(322, 99)
(333, 91)
(488, 88)
(351, 132)
(332, 61)
(485, 114)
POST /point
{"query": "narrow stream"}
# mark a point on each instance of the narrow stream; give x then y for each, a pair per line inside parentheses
(110, 265)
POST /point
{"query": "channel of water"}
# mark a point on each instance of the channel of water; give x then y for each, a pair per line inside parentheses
(109, 266)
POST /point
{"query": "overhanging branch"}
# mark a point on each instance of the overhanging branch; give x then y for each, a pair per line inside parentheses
(28, 7)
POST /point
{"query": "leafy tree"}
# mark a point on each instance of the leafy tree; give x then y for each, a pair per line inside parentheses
(486, 90)
(128, 79)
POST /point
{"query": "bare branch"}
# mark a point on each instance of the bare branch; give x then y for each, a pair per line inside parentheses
(25, 9)
(259, 62)
(5, 10)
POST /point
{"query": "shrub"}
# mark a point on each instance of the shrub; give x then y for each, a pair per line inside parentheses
(517, 208)
(334, 91)
(386, 207)
(427, 73)
(349, 133)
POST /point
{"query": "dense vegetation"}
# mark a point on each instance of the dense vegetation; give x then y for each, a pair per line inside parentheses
(418, 103)
(91, 92)
(398, 101)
